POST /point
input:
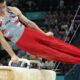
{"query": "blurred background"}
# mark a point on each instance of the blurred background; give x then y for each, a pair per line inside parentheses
(56, 16)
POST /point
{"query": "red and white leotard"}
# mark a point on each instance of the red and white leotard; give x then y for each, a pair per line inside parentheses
(11, 27)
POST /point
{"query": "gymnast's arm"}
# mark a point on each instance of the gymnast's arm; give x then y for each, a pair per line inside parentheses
(28, 22)
(7, 47)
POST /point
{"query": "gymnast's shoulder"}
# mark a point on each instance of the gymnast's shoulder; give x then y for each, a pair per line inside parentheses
(15, 10)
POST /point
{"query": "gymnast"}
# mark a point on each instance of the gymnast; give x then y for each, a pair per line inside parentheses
(31, 38)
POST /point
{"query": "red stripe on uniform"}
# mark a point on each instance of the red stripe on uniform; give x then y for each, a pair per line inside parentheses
(17, 21)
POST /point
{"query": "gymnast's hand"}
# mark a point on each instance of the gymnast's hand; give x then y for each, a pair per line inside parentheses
(15, 59)
(51, 34)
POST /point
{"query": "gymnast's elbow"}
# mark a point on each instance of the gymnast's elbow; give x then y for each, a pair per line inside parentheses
(2, 39)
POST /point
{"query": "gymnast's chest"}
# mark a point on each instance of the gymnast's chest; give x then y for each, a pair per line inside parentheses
(8, 22)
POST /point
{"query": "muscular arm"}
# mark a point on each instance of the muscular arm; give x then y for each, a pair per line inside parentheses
(6, 46)
(28, 22)
(25, 20)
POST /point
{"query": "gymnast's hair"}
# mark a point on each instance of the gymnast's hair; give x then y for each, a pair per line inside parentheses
(2, 1)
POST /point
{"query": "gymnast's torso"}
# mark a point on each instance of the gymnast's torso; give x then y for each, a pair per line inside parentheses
(11, 27)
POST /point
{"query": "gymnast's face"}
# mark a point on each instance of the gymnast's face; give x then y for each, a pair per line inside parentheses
(3, 8)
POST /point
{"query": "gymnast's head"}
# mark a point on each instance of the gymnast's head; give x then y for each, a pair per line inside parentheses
(3, 6)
